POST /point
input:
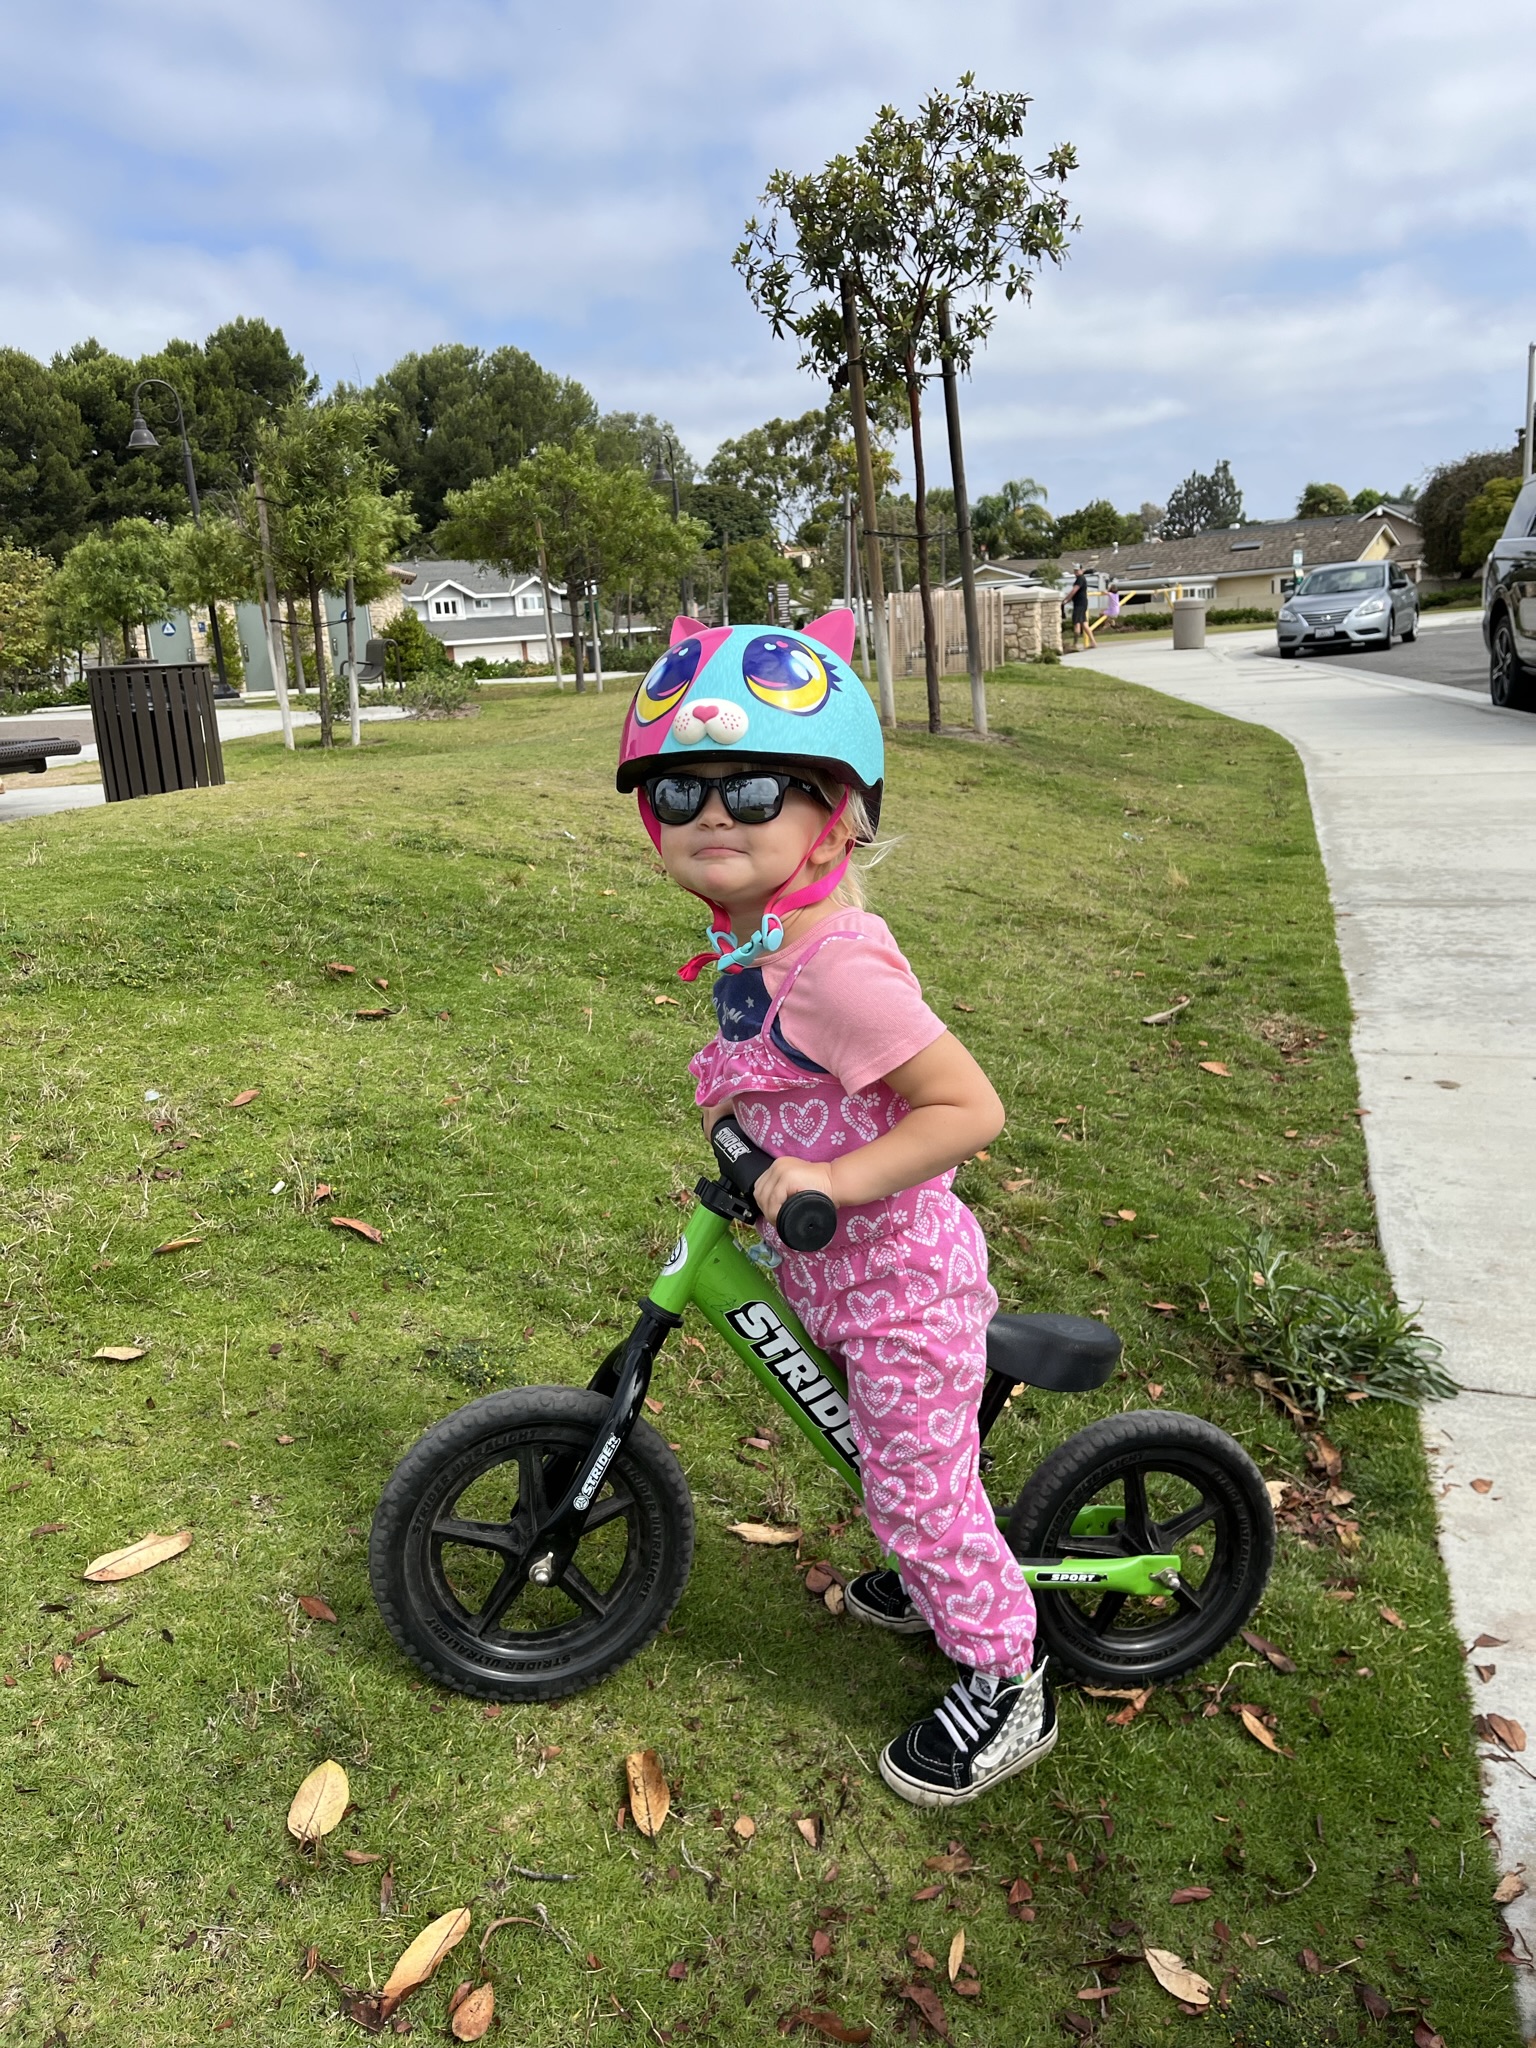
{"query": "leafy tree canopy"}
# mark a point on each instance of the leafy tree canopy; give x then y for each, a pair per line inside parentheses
(1013, 521)
(798, 469)
(1202, 503)
(727, 513)
(1097, 525)
(24, 637)
(112, 580)
(1323, 501)
(1485, 519)
(1443, 504)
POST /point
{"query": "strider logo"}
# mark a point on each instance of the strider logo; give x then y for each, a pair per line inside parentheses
(760, 1327)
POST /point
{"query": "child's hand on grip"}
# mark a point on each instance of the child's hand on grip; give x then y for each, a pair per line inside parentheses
(788, 1177)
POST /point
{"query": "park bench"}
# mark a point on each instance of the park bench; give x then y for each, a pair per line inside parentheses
(31, 756)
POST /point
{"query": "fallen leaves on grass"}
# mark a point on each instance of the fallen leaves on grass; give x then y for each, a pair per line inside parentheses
(927, 2001)
(1216, 1067)
(174, 1244)
(808, 1827)
(424, 1954)
(1181, 1983)
(763, 1532)
(1391, 1617)
(1190, 1895)
(1266, 1649)
(338, 967)
(49, 1529)
(1257, 1730)
(1167, 1016)
(142, 1556)
(319, 1803)
(246, 1095)
(355, 1224)
(362, 1856)
(956, 1955)
(374, 1016)
(473, 2015)
(952, 1863)
(316, 1608)
(120, 1354)
(1509, 1888)
(826, 2024)
(1497, 1728)
(649, 1799)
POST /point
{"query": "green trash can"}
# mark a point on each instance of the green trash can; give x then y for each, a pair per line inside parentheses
(155, 728)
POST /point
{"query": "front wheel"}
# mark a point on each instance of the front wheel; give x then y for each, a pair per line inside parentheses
(1133, 1484)
(1510, 683)
(457, 1510)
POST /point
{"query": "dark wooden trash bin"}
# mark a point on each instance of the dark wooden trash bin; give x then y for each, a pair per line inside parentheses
(155, 729)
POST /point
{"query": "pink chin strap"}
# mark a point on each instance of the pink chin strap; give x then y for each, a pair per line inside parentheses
(730, 958)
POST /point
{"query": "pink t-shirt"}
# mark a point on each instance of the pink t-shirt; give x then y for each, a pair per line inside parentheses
(856, 1007)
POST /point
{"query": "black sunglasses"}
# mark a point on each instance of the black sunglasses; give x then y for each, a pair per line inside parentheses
(751, 799)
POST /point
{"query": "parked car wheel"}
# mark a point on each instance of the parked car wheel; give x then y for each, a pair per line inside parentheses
(1510, 682)
(1410, 633)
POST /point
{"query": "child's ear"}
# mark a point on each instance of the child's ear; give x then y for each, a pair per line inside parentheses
(684, 629)
(835, 630)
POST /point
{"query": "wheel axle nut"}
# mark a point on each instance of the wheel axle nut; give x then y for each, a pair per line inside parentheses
(542, 1570)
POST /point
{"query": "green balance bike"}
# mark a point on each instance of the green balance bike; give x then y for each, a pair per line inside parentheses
(537, 1539)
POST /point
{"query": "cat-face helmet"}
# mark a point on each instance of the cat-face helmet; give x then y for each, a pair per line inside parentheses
(761, 694)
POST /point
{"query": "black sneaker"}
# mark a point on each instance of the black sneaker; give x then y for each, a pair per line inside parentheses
(983, 1730)
(881, 1598)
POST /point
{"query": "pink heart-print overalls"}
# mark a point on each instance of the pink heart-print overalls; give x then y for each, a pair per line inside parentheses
(901, 1295)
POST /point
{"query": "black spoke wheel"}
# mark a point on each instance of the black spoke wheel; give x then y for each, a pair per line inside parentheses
(1154, 1483)
(1510, 682)
(448, 1551)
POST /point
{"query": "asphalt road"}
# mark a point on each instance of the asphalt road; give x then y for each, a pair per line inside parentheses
(1451, 653)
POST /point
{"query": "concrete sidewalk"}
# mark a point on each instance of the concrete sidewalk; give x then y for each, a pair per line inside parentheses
(1425, 802)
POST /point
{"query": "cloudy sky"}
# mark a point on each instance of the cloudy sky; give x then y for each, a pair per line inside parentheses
(1306, 238)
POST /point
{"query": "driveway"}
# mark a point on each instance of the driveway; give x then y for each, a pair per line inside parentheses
(1424, 796)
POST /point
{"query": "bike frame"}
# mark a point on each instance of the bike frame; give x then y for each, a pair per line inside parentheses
(737, 1297)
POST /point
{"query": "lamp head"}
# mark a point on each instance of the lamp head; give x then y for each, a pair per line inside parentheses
(140, 436)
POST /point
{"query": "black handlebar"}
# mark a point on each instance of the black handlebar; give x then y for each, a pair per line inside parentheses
(806, 1222)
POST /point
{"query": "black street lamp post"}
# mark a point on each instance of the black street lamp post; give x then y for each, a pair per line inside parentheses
(139, 438)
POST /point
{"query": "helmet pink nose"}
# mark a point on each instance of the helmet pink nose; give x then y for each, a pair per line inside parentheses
(704, 712)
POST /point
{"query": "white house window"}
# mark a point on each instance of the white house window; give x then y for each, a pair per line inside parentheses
(531, 601)
(482, 604)
(445, 607)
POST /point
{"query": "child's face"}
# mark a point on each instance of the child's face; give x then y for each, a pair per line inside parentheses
(740, 866)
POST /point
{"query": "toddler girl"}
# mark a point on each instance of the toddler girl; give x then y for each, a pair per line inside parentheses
(759, 764)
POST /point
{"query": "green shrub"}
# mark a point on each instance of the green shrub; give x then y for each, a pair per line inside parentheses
(1241, 615)
(444, 694)
(1452, 594)
(1312, 1342)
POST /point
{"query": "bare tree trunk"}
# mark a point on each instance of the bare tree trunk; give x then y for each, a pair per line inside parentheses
(322, 680)
(293, 641)
(575, 592)
(920, 496)
(884, 686)
(963, 525)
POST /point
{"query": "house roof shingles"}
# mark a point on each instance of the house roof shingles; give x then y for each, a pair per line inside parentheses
(1263, 548)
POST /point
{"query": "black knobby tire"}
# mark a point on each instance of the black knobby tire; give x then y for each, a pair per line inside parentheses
(1510, 683)
(470, 1482)
(1182, 1485)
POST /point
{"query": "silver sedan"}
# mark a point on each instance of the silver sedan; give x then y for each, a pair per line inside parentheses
(1351, 604)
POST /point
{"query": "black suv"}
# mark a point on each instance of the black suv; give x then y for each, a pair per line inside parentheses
(1509, 607)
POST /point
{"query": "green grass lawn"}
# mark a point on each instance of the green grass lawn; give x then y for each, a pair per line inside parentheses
(518, 1129)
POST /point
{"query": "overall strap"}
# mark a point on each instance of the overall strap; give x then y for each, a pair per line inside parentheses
(794, 974)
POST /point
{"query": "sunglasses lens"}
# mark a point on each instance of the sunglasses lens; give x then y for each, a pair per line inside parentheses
(754, 799)
(676, 798)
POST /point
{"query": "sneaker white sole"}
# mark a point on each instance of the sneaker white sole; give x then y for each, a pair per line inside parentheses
(917, 1792)
(912, 1624)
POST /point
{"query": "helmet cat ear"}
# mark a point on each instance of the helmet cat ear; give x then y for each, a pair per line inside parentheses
(685, 628)
(835, 630)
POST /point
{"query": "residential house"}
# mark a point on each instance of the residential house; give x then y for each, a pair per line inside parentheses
(1252, 566)
(476, 610)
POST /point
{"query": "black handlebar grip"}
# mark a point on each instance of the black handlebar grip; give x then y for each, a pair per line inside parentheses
(807, 1221)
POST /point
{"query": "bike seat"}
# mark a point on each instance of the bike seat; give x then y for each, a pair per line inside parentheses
(1061, 1354)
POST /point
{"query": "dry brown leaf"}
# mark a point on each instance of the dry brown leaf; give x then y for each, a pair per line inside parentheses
(474, 2014)
(1170, 1972)
(362, 1229)
(763, 1532)
(362, 1855)
(1391, 1617)
(1498, 1728)
(137, 1557)
(1190, 1895)
(744, 1826)
(1216, 1067)
(956, 1954)
(424, 1954)
(1257, 1730)
(1509, 1888)
(649, 1800)
(832, 1599)
(926, 1999)
(319, 1802)
(62, 1662)
(1167, 1016)
(670, 1001)
(246, 1095)
(375, 1016)
(120, 1354)
(315, 1607)
(808, 1827)
(827, 2024)
(175, 1244)
(49, 1529)
(1486, 1642)
(1275, 1488)
(1267, 1650)
(339, 967)
(955, 1861)
(1482, 1486)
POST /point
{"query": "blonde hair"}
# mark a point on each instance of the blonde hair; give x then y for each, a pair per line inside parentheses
(849, 893)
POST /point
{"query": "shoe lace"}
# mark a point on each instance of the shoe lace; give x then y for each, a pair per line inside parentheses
(966, 1716)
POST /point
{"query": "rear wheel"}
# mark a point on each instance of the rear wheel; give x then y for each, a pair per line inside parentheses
(458, 1506)
(1138, 1483)
(1510, 682)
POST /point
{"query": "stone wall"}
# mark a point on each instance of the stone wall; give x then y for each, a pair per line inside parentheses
(1031, 623)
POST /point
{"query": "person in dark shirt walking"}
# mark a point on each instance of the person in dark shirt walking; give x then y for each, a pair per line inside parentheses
(1082, 632)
